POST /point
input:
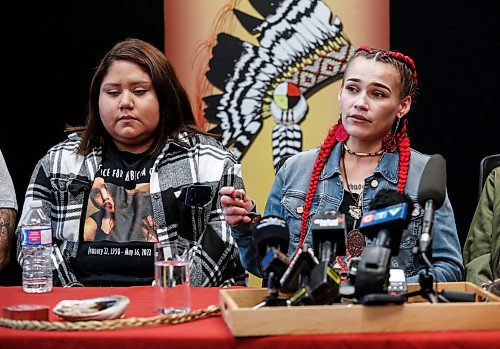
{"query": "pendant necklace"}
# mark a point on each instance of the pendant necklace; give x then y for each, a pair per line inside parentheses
(354, 210)
(355, 240)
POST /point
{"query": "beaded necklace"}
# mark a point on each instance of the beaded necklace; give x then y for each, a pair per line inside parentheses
(361, 154)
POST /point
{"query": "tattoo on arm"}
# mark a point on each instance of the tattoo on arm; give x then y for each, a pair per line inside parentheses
(7, 226)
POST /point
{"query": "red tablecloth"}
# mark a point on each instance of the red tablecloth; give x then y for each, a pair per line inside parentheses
(205, 333)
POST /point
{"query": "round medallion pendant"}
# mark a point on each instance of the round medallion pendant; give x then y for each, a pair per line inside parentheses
(355, 242)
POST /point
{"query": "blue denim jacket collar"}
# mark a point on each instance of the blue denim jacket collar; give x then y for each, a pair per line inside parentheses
(387, 167)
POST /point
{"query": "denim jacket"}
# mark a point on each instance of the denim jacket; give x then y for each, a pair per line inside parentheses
(289, 190)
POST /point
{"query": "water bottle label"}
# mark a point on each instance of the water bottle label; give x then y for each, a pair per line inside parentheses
(37, 236)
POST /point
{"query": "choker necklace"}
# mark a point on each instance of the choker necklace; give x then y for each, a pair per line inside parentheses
(356, 153)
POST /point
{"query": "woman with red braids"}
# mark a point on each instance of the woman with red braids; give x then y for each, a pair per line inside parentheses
(366, 151)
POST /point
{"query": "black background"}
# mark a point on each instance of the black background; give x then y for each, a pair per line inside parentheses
(57, 44)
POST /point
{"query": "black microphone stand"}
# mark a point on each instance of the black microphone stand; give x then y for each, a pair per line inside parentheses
(426, 282)
(423, 247)
(273, 299)
(426, 288)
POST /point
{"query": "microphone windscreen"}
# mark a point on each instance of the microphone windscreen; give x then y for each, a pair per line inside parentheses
(329, 225)
(388, 197)
(271, 231)
(390, 212)
(433, 182)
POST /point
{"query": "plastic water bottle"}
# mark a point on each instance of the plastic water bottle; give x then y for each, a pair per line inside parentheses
(36, 233)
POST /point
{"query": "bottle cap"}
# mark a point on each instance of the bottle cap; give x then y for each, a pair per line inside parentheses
(36, 203)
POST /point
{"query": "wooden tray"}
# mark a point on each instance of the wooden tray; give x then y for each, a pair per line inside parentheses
(415, 316)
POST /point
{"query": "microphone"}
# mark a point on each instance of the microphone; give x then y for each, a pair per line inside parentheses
(296, 277)
(271, 238)
(431, 195)
(390, 213)
(328, 231)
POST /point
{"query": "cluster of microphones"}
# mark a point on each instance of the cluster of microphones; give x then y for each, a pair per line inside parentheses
(309, 277)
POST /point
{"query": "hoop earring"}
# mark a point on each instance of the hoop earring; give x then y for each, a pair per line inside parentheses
(390, 141)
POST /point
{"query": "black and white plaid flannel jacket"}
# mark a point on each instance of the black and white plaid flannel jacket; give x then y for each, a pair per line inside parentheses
(62, 179)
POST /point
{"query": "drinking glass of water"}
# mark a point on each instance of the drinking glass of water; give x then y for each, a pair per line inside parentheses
(172, 288)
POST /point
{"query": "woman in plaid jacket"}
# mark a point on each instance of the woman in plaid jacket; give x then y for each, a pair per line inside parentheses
(140, 138)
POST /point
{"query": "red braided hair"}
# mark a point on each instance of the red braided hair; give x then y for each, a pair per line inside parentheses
(323, 155)
(404, 158)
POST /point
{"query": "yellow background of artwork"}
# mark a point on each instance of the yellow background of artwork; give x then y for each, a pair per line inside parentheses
(190, 31)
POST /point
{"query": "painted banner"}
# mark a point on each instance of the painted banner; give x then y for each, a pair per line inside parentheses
(264, 75)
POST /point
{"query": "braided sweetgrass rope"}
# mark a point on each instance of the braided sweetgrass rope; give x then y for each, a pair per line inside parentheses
(109, 324)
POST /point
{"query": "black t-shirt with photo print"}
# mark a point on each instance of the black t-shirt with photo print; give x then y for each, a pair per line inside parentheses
(116, 241)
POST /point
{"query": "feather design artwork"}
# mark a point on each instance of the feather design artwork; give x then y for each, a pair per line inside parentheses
(301, 49)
